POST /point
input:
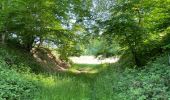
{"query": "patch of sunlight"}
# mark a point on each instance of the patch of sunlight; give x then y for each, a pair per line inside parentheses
(87, 68)
(94, 71)
(44, 80)
(93, 60)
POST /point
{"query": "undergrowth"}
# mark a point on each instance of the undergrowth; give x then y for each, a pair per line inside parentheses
(13, 85)
(149, 83)
(20, 79)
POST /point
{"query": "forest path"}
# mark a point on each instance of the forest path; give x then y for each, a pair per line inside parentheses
(90, 64)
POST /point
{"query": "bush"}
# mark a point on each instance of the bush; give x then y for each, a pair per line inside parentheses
(151, 83)
(18, 59)
(14, 86)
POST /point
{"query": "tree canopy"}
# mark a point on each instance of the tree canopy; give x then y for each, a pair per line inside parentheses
(69, 25)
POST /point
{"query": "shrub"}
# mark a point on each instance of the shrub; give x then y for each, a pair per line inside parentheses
(14, 86)
(151, 83)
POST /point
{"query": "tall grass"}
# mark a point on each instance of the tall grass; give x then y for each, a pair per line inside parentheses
(65, 89)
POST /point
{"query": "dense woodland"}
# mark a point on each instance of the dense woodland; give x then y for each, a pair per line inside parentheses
(37, 37)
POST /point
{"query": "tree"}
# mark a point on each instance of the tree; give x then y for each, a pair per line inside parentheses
(125, 25)
(44, 21)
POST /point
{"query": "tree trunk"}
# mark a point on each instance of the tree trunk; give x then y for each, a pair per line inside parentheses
(3, 38)
(133, 51)
(41, 42)
(169, 58)
(135, 58)
(28, 42)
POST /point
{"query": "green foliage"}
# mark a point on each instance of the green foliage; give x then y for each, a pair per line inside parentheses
(150, 83)
(14, 86)
(101, 47)
(140, 27)
(15, 59)
(27, 24)
(18, 80)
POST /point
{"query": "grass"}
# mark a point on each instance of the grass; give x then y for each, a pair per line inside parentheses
(65, 89)
(149, 83)
(83, 81)
(70, 86)
(88, 68)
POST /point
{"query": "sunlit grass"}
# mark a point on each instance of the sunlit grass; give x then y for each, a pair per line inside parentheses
(88, 68)
(65, 89)
(62, 87)
(68, 85)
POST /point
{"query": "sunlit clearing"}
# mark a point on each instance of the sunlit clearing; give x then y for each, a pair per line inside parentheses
(93, 60)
